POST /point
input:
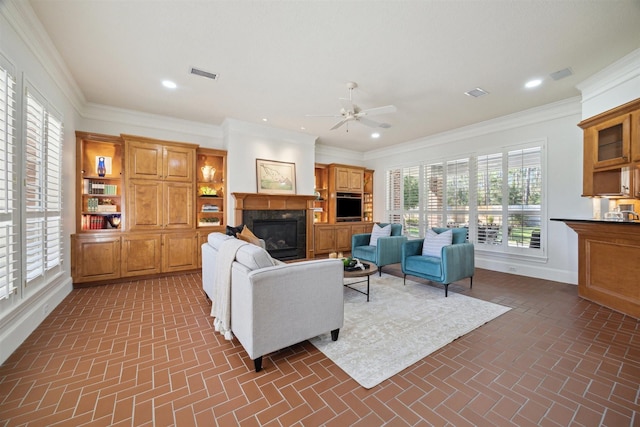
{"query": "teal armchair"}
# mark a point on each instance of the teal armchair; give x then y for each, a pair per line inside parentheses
(456, 261)
(386, 252)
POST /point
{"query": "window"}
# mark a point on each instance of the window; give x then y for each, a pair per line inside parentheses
(497, 196)
(8, 194)
(43, 149)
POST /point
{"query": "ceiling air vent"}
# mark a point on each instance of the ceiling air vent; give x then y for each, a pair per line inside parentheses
(476, 93)
(202, 73)
(561, 74)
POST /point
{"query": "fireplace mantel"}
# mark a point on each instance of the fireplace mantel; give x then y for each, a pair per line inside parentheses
(261, 201)
(279, 202)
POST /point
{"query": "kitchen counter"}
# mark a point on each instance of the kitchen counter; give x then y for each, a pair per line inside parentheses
(608, 262)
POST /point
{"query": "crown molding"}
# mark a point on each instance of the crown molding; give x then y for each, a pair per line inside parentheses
(556, 110)
(238, 127)
(154, 121)
(24, 21)
(341, 153)
(621, 71)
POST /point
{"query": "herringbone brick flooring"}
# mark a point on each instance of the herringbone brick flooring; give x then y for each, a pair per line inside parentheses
(144, 353)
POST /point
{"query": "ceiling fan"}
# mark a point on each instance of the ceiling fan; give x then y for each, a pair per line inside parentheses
(351, 112)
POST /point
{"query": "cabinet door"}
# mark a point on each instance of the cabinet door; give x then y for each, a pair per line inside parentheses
(179, 251)
(178, 164)
(355, 180)
(635, 136)
(612, 142)
(95, 258)
(178, 205)
(324, 240)
(145, 160)
(343, 238)
(342, 179)
(141, 254)
(144, 205)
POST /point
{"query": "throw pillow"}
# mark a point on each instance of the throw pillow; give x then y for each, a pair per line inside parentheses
(233, 231)
(378, 232)
(248, 236)
(433, 242)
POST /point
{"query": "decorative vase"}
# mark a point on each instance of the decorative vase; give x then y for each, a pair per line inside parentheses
(207, 173)
(102, 169)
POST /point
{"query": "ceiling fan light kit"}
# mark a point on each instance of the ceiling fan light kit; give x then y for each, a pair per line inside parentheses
(351, 112)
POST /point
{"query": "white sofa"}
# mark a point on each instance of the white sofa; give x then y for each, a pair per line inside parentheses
(275, 306)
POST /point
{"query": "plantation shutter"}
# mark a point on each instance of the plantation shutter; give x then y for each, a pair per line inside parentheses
(411, 201)
(489, 199)
(43, 137)
(393, 199)
(525, 197)
(457, 190)
(433, 191)
(8, 182)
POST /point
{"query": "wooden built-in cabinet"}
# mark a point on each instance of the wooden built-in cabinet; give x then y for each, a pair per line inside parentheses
(612, 152)
(331, 232)
(348, 179)
(141, 217)
(211, 192)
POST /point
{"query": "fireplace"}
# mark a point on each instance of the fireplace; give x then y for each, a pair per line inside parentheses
(283, 231)
(280, 237)
(284, 222)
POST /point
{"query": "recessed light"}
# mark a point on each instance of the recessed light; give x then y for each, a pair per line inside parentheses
(375, 135)
(303, 128)
(169, 84)
(265, 119)
(533, 83)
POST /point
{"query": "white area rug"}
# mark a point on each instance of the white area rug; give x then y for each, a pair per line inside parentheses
(399, 326)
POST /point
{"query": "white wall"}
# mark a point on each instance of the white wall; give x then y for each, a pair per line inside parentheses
(557, 125)
(246, 142)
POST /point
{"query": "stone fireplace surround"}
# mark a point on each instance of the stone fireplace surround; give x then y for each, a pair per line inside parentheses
(260, 206)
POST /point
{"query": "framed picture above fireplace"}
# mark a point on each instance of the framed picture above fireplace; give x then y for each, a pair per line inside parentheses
(275, 177)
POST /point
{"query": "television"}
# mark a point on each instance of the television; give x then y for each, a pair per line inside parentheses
(348, 208)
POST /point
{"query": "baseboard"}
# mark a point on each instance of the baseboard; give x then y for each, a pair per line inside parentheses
(521, 269)
(28, 315)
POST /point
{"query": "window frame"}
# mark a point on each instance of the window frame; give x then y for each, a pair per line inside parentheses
(501, 249)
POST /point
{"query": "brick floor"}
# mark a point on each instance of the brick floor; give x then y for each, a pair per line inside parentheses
(144, 353)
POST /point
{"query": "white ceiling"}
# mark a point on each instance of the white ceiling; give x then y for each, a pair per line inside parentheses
(285, 59)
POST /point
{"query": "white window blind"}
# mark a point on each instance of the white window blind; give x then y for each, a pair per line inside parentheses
(525, 197)
(434, 194)
(457, 191)
(489, 199)
(394, 196)
(43, 137)
(8, 182)
(412, 212)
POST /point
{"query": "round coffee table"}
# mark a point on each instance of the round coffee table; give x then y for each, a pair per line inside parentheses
(361, 273)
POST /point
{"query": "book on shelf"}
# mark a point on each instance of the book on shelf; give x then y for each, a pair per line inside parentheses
(92, 222)
(210, 208)
(99, 187)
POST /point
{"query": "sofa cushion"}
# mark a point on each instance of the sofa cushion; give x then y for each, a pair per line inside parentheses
(248, 236)
(233, 231)
(216, 239)
(434, 242)
(378, 232)
(254, 257)
(426, 265)
(367, 253)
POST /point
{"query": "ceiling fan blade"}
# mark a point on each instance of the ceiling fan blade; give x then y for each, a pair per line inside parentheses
(378, 110)
(347, 105)
(340, 123)
(369, 122)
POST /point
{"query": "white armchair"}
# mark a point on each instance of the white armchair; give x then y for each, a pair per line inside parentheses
(275, 307)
